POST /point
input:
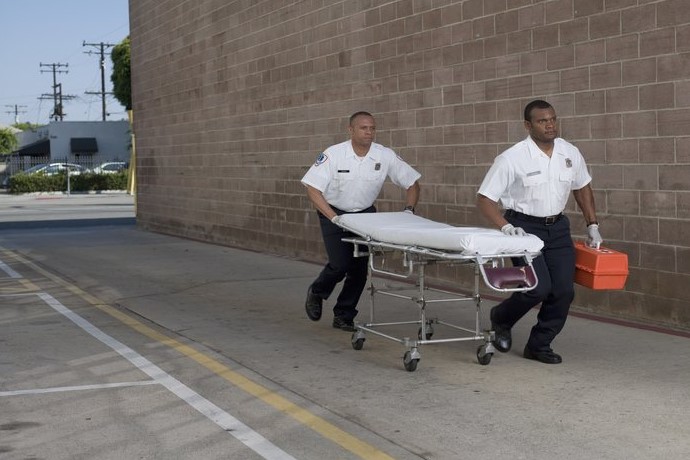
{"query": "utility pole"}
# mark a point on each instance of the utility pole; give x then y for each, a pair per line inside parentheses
(102, 47)
(16, 111)
(57, 106)
(58, 97)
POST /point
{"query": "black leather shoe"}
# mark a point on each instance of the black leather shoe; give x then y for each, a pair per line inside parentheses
(546, 357)
(343, 324)
(503, 339)
(313, 305)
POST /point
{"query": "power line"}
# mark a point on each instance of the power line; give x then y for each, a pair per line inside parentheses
(102, 47)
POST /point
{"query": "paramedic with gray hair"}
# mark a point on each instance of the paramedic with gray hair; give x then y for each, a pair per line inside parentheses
(347, 178)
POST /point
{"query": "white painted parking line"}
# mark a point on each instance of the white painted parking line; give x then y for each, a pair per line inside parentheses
(227, 422)
(39, 391)
(11, 273)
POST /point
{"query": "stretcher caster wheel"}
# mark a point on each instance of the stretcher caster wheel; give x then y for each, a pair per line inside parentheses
(483, 357)
(357, 343)
(409, 362)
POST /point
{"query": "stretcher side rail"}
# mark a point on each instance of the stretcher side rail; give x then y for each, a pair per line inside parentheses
(496, 277)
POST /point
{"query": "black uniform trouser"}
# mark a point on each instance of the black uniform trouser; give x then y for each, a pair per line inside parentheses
(341, 265)
(555, 270)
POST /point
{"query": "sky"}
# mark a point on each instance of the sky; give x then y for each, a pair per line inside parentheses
(53, 31)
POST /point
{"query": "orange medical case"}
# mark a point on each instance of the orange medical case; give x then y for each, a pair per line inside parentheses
(600, 268)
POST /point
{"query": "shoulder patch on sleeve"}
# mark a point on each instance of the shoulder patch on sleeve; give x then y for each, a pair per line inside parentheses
(321, 159)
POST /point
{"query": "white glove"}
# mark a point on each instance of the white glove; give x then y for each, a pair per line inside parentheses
(594, 239)
(336, 220)
(510, 230)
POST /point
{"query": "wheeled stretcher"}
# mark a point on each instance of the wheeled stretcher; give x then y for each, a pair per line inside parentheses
(418, 242)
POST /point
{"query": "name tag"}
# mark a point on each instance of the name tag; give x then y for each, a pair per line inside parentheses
(533, 173)
(343, 170)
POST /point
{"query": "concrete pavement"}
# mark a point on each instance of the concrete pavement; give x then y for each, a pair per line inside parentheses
(77, 209)
(206, 323)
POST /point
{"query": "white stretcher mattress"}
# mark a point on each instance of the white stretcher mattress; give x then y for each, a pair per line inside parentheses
(410, 230)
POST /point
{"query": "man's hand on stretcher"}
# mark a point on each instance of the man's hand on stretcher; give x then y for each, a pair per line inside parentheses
(510, 230)
(491, 211)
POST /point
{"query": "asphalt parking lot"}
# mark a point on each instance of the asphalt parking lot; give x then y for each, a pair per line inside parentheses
(120, 343)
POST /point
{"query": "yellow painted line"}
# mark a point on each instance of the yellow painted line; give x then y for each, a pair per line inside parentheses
(29, 286)
(316, 423)
(17, 286)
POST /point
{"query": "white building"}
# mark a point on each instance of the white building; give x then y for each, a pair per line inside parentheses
(89, 141)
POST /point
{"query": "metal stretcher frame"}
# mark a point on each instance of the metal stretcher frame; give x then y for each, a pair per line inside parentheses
(491, 268)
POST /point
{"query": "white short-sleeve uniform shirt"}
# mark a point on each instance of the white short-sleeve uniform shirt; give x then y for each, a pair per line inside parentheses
(352, 183)
(525, 179)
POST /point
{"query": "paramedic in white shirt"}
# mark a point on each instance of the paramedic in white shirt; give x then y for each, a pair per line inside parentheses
(532, 180)
(347, 178)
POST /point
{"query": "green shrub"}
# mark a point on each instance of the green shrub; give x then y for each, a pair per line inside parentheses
(92, 182)
(28, 183)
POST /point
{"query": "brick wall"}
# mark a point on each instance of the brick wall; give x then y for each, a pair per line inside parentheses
(234, 100)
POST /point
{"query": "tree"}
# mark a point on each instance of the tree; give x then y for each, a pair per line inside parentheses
(26, 126)
(121, 77)
(8, 141)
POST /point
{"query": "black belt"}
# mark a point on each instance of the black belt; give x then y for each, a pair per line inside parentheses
(548, 220)
(371, 208)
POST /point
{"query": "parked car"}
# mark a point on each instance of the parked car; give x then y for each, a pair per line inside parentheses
(51, 169)
(110, 167)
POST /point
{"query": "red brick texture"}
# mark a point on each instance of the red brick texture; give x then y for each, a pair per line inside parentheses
(234, 100)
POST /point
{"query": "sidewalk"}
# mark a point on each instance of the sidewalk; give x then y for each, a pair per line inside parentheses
(621, 392)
